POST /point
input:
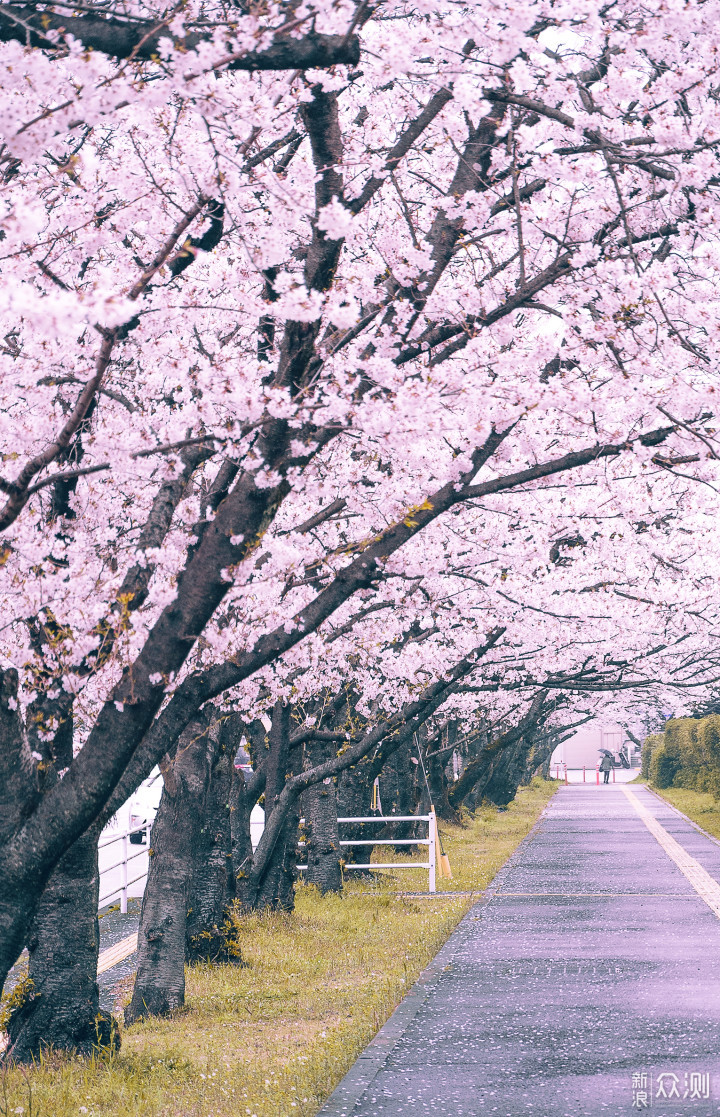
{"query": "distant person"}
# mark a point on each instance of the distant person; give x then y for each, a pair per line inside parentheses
(606, 765)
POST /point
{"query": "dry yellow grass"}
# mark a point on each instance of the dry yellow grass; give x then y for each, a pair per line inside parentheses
(273, 1040)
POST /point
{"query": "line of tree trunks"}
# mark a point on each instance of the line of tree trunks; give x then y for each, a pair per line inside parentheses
(160, 982)
(209, 935)
(201, 856)
(274, 889)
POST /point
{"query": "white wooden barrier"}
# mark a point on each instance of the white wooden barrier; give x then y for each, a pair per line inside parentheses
(123, 840)
(383, 820)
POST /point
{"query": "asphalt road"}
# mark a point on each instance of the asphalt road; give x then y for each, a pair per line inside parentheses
(586, 982)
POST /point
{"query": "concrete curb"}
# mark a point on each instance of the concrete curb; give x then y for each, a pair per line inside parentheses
(371, 1061)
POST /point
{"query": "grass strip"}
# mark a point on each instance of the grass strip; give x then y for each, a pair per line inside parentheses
(700, 806)
(273, 1040)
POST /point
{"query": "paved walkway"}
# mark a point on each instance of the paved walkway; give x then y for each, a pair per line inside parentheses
(118, 943)
(586, 982)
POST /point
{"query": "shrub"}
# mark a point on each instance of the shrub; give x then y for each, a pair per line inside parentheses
(654, 741)
(686, 755)
(708, 732)
(664, 765)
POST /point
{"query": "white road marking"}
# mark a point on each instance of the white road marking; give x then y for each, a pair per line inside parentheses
(705, 885)
(117, 953)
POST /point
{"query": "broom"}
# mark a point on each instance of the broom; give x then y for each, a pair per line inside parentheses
(442, 857)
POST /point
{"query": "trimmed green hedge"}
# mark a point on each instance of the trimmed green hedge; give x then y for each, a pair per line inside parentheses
(651, 743)
(687, 755)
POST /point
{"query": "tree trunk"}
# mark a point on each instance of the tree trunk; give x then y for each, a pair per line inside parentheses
(60, 1009)
(535, 757)
(208, 932)
(483, 774)
(245, 790)
(397, 790)
(58, 1002)
(19, 795)
(57, 1005)
(354, 795)
(321, 825)
(212, 887)
(436, 765)
(506, 775)
(275, 889)
(160, 982)
(474, 781)
(241, 805)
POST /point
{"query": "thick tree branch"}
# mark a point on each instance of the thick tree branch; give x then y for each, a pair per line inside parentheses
(140, 39)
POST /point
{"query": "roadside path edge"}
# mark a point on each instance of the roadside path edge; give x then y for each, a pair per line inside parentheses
(370, 1061)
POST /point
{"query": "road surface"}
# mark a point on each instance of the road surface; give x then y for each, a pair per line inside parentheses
(586, 982)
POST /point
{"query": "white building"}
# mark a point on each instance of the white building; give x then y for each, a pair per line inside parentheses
(583, 748)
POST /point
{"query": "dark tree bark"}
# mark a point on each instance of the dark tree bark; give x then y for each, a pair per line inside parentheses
(61, 1009)
(245, 790)
(208, 933)
(276, 890)
(274, 887)
(472, 783)
(321, 825)
(119, 39)
(242, 801)
(354, 796)
(506, 774)
(397, 790)
(537, 761)
(436, 762)
(19, 795)
(160, 981)
(544, 768)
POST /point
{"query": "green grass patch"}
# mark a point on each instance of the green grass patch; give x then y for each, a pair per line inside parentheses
(700, 806)
(273, 1040)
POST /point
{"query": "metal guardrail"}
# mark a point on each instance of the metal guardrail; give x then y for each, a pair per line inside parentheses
(383, 819)
(561, 772)
(588, 771)
(122, 864)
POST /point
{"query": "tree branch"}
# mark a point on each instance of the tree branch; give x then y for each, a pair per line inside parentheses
(19, 489)
(407, 719)
(140, 39)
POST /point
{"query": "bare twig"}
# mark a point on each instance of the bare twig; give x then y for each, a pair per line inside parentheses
(689, 429)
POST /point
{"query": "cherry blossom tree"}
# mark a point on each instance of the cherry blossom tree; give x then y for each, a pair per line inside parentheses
(324, 314)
